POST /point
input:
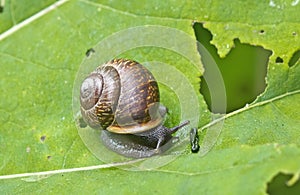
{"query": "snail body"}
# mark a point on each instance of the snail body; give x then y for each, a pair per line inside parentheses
(121, 97)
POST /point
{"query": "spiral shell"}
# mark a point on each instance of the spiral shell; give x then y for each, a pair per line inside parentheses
(121, 96)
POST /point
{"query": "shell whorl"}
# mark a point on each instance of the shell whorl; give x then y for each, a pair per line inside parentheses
(101, 113)
(121, 96)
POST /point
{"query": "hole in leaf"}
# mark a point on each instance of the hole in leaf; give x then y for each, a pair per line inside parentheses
(261, 32)
(49, 157)
(243, 72)
(89, 52)
(295, 58)
(43, 137)
(294, 33)
(278, 185)
(279, 60)
(2, 3)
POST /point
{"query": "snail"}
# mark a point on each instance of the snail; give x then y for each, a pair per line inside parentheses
(121, 98)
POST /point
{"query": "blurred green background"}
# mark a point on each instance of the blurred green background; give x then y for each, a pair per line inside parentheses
(243, 71)
(278, 185)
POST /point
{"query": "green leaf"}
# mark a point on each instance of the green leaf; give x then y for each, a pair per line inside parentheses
(14, 12)
(39, 64)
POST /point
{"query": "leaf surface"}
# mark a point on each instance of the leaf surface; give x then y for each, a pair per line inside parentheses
(39, 63)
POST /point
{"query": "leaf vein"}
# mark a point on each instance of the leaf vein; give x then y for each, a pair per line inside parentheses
(131, 14)
(248, 107)
(29, 20)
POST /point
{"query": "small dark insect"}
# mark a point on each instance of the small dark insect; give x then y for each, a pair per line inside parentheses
(194, 139)
(89, 52)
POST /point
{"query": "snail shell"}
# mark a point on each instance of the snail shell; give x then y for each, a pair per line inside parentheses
(121, 96)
